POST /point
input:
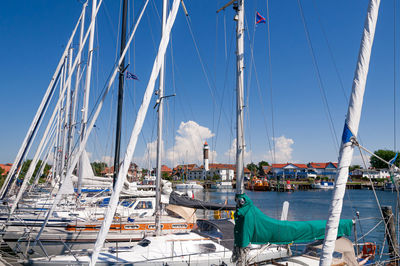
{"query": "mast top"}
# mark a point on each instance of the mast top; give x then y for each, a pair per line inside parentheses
(226, 5)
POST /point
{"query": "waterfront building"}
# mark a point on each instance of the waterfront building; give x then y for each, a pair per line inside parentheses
(328, 169)
(289, 170)
(6, 168)
(301, 171)
(375, 173)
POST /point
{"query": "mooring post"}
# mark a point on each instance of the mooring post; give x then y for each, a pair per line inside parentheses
(390, 232)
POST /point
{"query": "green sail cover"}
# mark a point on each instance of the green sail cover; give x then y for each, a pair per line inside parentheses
(253, 226)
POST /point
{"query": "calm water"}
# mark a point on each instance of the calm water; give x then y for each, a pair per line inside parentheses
(314, 205)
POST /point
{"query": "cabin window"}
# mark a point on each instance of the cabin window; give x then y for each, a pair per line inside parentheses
(144, 205)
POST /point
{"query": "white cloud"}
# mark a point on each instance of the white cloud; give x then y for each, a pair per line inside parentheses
(189, 142)
(231, 153)
(283, 150)
(188, 147)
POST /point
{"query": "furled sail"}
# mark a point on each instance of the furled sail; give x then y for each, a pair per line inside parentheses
(253, 226)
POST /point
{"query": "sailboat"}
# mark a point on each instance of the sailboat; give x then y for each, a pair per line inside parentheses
(253, 231)
(195, 247)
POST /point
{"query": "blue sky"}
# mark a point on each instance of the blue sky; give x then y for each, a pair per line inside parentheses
(34, 34)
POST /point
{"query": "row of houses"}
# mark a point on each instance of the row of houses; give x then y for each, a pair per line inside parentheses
(225, 172)
(301, 171)
(228, 171)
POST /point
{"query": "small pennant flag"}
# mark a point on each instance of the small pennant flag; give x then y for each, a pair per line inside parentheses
(259, 18)
(129, 75)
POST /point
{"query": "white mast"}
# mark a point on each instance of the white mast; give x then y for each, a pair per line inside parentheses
(77, 81)
(112, 206)
(350, 131)
(239, 94)
(67, 110)
(159, 129)
(85, 108)
(239, 252)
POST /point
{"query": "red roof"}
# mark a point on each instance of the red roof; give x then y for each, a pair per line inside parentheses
(279, 165)
(321, 165)
(165, 168)
(6, 167)
(282, 165)
(226, 166)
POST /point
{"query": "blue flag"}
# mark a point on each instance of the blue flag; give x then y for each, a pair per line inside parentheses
(259, 18)
(129, 75)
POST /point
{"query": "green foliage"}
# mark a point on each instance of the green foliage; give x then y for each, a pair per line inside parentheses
(260, 167)
(1, 172)
(354, 167)
(252, 167)
(216, 177)
(98, 167)
(144, 171)
(25, 167)
(386, 155)
(166, 176)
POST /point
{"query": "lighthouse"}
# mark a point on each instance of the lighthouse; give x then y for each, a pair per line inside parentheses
(205, 156)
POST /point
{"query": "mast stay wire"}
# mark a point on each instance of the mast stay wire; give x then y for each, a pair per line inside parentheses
(319, 79)
(330, 51)
(227, 59)
(253, 64)
(337, 74)
(248, 86)
(215, 79)
(394, 76)
(212, 87)
(270, 85)
(394, 108)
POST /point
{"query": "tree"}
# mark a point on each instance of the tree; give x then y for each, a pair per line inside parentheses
(98, 167)
(260, 167)
(387, 155)
(144, 172)
(166, 176)
(252, 167)
(27, 163)
(1, 172)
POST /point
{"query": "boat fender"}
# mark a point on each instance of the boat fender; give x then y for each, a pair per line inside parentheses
(368, 250)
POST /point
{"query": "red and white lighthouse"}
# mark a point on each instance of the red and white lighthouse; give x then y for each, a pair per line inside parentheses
(205, 156)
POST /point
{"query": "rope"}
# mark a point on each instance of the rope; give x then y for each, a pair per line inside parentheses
(373, 228)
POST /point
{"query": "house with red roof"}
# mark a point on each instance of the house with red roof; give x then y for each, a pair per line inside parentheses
(289, 170)
(328, 169)
(6, 168)
(299, 170)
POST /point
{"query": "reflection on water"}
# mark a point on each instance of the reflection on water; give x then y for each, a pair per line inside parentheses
(312, 205)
